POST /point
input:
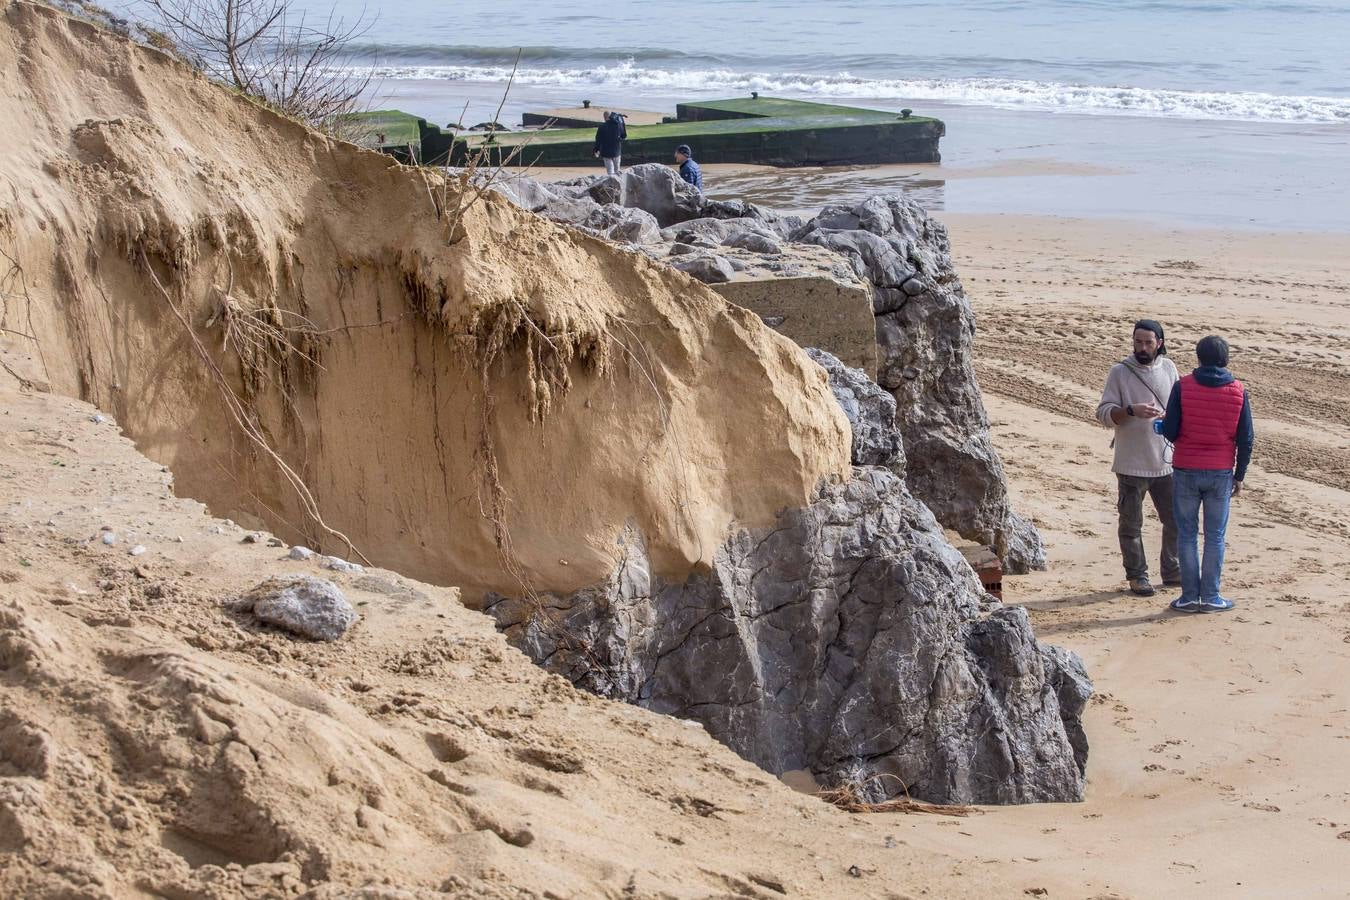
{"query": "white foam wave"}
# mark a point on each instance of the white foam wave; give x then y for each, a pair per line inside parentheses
(996, 92)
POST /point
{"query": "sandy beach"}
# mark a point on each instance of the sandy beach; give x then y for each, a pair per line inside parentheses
(365, 536)
(1216, 741)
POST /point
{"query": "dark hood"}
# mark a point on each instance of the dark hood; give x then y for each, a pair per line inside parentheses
(1213, 376)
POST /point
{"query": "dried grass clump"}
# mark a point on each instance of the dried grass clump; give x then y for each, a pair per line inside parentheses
(549, 352)
(265, 339)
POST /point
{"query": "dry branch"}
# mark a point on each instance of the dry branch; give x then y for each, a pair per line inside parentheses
(268, 50)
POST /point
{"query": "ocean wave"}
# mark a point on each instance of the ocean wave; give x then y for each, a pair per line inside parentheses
(996, 92)
(442, 54)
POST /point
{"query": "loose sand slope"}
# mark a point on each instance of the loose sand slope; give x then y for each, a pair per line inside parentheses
(416, 368)
(151, 742)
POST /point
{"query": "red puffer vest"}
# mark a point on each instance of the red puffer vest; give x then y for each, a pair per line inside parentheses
(1209, 421)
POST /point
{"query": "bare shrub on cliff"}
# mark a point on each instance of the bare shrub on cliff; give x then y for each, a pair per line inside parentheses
(266, 49)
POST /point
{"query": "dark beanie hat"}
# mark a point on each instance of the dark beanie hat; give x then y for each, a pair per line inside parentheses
(684, 148)
(1153, 326)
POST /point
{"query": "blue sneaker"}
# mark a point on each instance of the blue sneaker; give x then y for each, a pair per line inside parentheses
(1218, 604)
(1188, 604)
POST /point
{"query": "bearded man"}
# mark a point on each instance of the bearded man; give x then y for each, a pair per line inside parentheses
(1136, 393)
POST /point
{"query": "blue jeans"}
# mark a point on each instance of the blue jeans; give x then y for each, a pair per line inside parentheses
(1193, 489)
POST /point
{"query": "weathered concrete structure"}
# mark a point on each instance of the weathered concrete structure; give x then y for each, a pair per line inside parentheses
(815, 310)
(586, 117)
(759, 130)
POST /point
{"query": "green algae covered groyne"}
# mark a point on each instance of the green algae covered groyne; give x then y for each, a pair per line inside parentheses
(756, 130)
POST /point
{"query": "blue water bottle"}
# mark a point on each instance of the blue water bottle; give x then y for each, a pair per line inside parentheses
(1157, 426)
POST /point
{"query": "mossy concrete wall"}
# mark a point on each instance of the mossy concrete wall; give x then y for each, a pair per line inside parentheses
(763, 131)
(902, 141)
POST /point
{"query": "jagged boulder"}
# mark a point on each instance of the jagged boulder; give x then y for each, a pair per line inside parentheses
(1072, 686)
(622, 224)
(600, 188)
(870, 412)
(708, 268)
(567, 210)
(660, 191)
(524, 191)
(635, 227)
(717, 230)
(1023, 551)
(754, 242)
(925, 330)
(849, 639)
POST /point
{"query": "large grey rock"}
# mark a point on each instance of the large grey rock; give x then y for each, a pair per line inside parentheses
(660, 191)
(1024, 551)
(717, 230)
(1069, 678)
(782, 225)
(756, 243)
(302, 604)
(925, 330)
(710, 269)
(725, 209)
(633, 226)
(524, 191)
(568, 210)
(849, 639)
(621, 224)
(600, 188)
(873, 257)
(870, 412)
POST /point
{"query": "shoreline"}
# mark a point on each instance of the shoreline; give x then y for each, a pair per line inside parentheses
(1261, 175)
(940, 187)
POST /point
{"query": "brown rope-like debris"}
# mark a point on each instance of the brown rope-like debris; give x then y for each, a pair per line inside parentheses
(239, 414)
(848, 798)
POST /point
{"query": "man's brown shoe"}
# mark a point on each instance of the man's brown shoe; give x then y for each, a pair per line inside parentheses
(1141, 586)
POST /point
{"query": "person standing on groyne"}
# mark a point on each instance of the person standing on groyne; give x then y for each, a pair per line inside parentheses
(689, 170)
(1135, 395)
(609, 138)
(1209, 419)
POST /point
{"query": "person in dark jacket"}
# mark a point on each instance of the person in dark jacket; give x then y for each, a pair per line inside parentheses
(609, 138)
(1209, 420)
(689, 170)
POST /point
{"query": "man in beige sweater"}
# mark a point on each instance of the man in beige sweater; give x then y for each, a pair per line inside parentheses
(1136, 393)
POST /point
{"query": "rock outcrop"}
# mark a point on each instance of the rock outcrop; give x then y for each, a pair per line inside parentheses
(925, 331)
(923, 323)
(870, 412)
(849, 639)
(313, 608)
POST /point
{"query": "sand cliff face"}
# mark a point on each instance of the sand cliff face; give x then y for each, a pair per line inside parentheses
(315, 339)
(416, 369)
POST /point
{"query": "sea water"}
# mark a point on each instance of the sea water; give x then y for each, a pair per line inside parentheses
(1207, 112)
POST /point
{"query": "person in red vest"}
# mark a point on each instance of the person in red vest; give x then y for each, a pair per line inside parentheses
(1209, 422)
